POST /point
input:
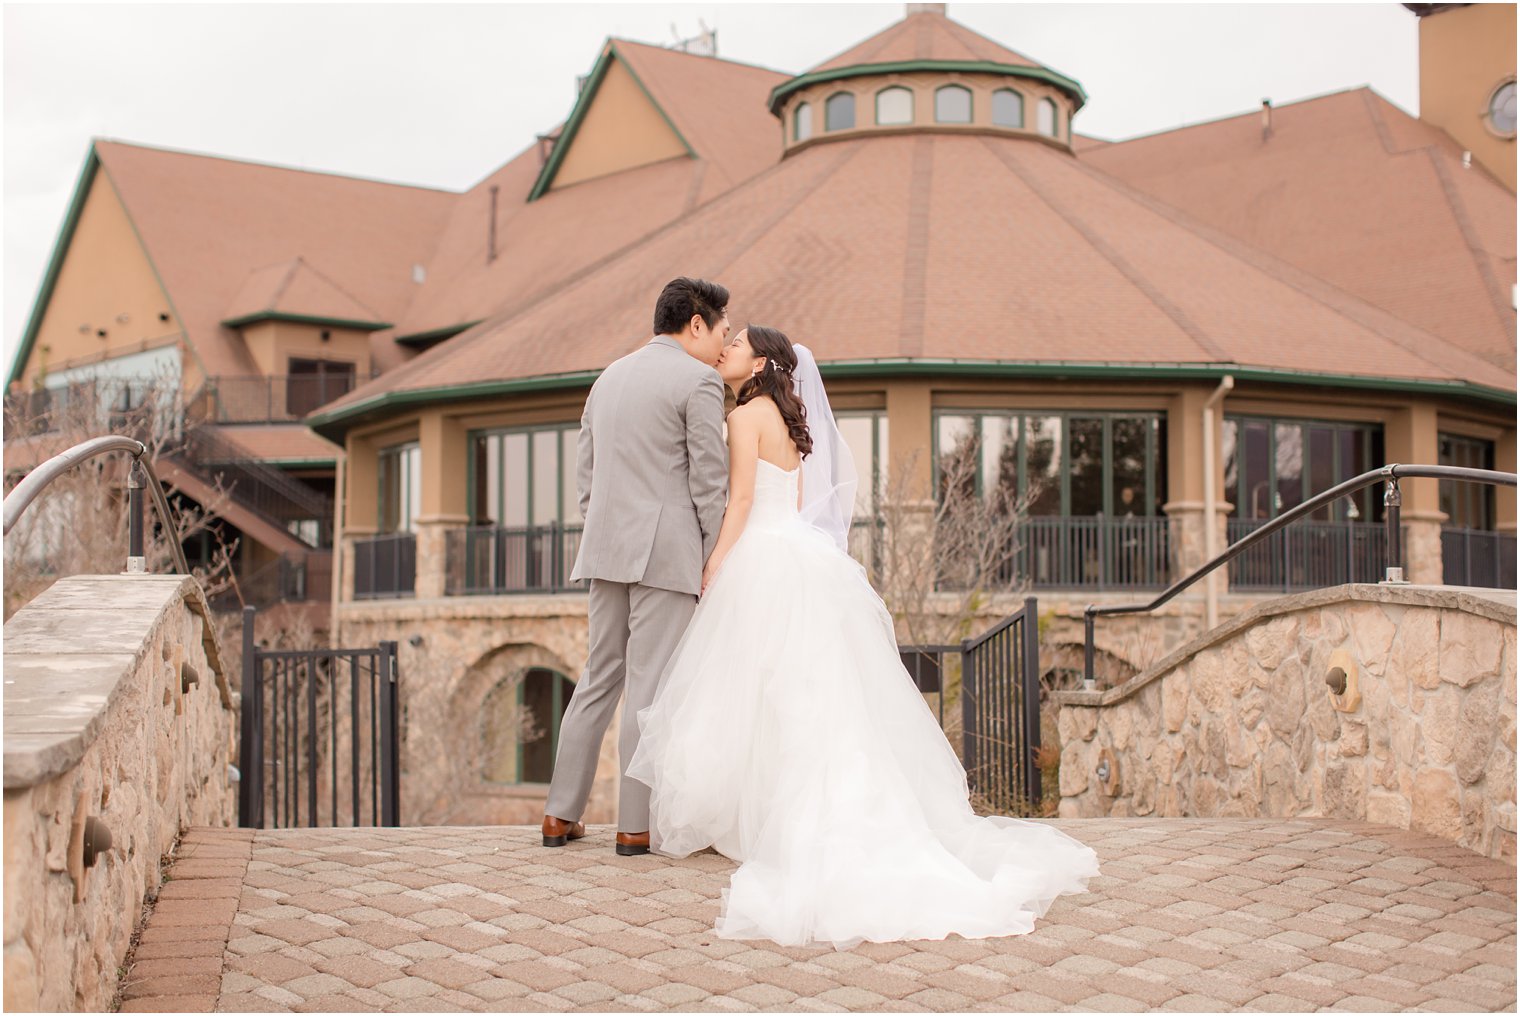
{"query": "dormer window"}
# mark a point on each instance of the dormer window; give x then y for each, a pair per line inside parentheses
(952, 104)
(839, 112)
(1007, 108)
(1046, 118)
(802, 122)
(894, 106)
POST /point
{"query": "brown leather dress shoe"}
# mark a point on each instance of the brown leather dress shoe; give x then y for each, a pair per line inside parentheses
(557, 831)
(631, 844)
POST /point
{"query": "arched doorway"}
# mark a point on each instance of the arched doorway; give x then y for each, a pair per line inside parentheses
(520, 720)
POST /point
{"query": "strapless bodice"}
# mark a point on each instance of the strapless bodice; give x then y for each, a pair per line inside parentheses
(775, 492)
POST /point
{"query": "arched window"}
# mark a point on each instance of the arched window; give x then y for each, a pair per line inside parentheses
(952, 104)
(802, 122)
(1046, 118)
(1007, 108)
(519, 726)
(839, 112)
(894, 106)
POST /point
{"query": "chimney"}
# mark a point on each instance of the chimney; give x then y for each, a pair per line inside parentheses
(491, 231)
(926, 9)
(1266, 119)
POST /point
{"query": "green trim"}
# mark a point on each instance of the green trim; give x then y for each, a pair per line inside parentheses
(334, 423)
(435, 335)
(876, 106)
(260, 316)
(578, 115)
(1050, 77)
(970, 104)
(55, 264)
(1023, 120)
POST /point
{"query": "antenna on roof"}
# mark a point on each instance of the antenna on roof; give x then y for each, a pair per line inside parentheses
(704, 43)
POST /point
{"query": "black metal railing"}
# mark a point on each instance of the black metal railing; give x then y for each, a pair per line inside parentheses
(257, 398)
(1392, 501)
(1094, 552)
(289, 578)
(999, 674)
(280, 498)
(1309, 555)
(484, 560)
(320, 736)
(1477, 557)
(385, 566)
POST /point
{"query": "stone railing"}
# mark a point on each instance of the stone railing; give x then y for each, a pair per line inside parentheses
(1389, 704)
(118, 727)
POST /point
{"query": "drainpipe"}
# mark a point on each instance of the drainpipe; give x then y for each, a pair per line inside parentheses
(340, 499)
(1211, 590)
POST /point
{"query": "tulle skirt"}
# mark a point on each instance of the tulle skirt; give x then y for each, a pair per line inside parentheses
(787, 735)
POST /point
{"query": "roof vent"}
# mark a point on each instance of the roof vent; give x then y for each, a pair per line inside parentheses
(926, 9)
(1266, 119)
(419, 274)
(1467, 160)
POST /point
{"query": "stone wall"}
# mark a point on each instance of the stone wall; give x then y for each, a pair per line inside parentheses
(1242, 722)
(454, 651)
(116, 712)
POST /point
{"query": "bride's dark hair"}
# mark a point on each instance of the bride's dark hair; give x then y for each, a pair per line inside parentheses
(775, 381)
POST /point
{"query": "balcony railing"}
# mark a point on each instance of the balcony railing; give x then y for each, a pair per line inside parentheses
(1310, 555)
(487, 560)
(1080, 552)
(289, 578)
(1477, 557)
(280, 398)
(385, 566)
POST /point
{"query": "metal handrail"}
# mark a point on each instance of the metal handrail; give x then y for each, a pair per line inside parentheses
(33, 484)
(1388, 474)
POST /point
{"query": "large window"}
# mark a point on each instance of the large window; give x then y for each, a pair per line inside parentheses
(520, 727)
(894, 106)
(866, 435)
(314, 383)
(802, 122)
(1007, 108)
(839, 112)
(400, 487)
(1467, 505)
(952, 104)
(1271, 465)
(524, 477)
(1067, 464)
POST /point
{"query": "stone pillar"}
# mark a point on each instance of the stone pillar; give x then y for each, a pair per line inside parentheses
(432, 552)
(1412, 436)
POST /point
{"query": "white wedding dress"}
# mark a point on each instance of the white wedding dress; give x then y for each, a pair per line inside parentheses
(787, 735)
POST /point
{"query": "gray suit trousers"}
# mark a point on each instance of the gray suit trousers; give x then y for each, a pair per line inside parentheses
(634, 631)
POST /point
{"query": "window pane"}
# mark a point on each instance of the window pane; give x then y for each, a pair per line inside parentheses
(1229, 433)
(802, 123)
(1289, 456)
(957, 455)
(540, 724)
(390, 492)
(1353, 447)
(883, 457)
(894, 106)
(1258, 472)
(1042, 464)
(1130, 435)
(856, 431)
(1000, 469)
(516, 480)
(500, 733)
(480, 494)
(1046, 117)
(1007, 108)
(413, 487)
(839, 112)
(545, 477)
(1158, 443)
(1322, 469)
(1086, 467)
(952, 104)
(570, 443)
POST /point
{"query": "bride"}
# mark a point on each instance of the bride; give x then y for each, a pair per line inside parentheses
(786, 733)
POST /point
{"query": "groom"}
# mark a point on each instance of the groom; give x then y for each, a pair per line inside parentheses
(653, 482)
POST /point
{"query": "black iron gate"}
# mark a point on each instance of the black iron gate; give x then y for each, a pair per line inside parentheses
(999, 675)
(320, 736)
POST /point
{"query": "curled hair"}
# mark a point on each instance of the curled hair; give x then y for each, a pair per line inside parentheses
(775, 381)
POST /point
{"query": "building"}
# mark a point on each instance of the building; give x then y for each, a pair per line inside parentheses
(986, 289)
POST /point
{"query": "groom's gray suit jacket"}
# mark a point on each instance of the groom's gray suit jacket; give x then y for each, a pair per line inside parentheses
(653, 470)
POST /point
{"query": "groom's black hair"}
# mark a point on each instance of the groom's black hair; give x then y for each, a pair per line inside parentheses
(681, 298)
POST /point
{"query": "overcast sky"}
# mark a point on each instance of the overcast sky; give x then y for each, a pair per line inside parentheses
(441, 94)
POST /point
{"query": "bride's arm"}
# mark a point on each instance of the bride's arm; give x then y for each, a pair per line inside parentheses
(743, 454)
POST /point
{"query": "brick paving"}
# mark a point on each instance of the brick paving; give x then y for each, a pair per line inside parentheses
(1189, 915)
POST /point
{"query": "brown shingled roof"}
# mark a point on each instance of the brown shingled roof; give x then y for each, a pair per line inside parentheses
(925, 35)
(1353, 190)
(295, 287)
(719, 108)
(208, 223)
(1028, 256)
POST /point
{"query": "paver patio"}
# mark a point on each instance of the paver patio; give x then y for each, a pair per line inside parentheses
(1214, 914)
